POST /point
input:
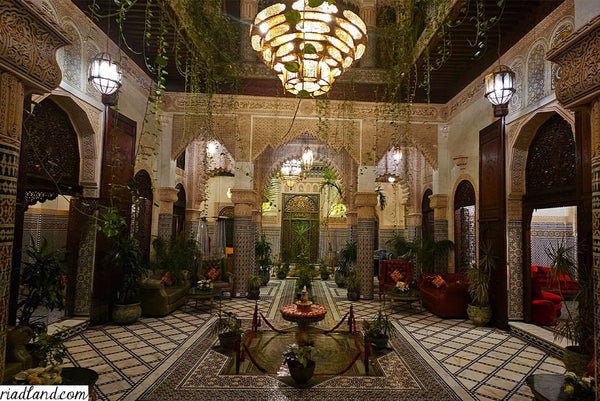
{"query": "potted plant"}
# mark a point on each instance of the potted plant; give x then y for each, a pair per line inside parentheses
(126, 256)
(262, 252)
(576, 328)
(479, 310)
(376, 331)
(177, 257)
(324, 271)
(347, 259)
(352, 287)
(229, 328)
(304, 272)
(427, 254)
(299, 362)
(42, 280)
(282, 271)
(254, 284)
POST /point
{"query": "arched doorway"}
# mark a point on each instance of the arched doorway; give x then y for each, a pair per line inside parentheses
(300, 226)
(179, 211)
(551, 187)
(49, 167)
(141, 221)
(427, 217)
(465, 235)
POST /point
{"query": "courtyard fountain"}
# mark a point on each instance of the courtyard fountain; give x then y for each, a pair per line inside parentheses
(303, 312)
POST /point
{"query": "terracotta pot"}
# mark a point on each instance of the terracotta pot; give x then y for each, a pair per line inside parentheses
(480, 316)
(576, 359)
(299, 373)
(126, 313)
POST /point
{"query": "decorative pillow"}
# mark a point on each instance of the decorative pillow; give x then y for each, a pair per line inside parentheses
(167, 279)
(212, 274)
(396, 275)
(438, 282)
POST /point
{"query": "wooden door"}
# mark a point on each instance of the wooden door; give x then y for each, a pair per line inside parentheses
(492, 214)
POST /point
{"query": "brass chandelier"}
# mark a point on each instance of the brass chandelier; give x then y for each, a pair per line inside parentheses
(291, 172)
(308, 46)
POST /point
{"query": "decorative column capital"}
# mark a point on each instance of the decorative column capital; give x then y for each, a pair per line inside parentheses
(365, 204)
(244, 201)
(579, 60)
(166, 197)
(439, 203)
(414, 219)
(193, 214)
(29, 43)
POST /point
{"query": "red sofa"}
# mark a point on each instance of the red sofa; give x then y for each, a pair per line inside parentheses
(541, 273)
(449, 301)
(387, 267)
(546, 306)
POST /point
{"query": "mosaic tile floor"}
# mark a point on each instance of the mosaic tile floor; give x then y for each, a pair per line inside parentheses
(477, 363)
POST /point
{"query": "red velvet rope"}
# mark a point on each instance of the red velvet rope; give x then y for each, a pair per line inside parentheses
(337, 325)
(254, 361)
(270, 325)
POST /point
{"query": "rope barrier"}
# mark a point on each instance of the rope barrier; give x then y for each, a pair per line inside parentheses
(247, 352)
(337, 325)
(270, 325)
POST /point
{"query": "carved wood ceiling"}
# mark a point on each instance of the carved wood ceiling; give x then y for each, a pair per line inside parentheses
(461, 67)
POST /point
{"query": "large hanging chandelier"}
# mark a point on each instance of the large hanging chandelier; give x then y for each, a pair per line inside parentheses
(308, 47)
(291, 172)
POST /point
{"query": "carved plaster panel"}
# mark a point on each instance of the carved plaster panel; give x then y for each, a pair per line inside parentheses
(536, 72)
(28, 43)
(69, 57)
(422, 136)
(516, 102)
(562, 31)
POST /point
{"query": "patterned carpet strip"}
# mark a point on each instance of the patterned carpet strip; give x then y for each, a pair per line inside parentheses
(172, 358)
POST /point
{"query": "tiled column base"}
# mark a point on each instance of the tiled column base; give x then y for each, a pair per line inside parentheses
(515, 275)
(165, 225)
(364, 258)
(243, 245)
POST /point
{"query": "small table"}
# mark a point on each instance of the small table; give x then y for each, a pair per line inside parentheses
(80, 376)
(409, 297)
(547, 387)
(200, 295)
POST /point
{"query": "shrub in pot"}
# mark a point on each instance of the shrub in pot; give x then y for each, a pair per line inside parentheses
(262, 253)
(353, 287)
(324, 271)
(479, 310)
(229, 328)
(299, 362)
(177, 257)
(576, 328)
(282, 271)
(254, 284)
(377, 330)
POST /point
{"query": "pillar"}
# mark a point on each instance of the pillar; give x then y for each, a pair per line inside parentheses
(166, 197)
(248, 11)
(579, 88)
(38, 72)
(439, 203)
(413, 226)
(368, 13)
(192, 217)
(365, 229)
(244, 230)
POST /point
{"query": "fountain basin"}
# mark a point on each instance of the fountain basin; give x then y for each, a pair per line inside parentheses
(292, 313)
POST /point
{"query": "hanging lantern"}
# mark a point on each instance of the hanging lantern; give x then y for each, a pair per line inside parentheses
(308, 47)
(211, 148)
(307, 158)
(291, 172)
(104, 74)
(499, 88)
(397, 155)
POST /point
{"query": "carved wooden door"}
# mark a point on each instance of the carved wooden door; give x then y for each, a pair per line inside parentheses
(300, 226)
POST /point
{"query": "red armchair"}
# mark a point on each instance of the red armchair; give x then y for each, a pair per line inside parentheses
(387, 267)
(567, 285)
(546, 306)
(448, 301)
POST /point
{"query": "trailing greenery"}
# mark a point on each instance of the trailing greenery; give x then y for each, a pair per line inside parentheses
(42, 279)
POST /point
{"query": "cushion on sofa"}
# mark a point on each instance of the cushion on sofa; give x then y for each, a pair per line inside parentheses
(438, 282)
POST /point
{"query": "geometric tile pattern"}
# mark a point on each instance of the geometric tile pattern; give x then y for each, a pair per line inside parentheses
(364, 261)
(515, 273)
(482, 363)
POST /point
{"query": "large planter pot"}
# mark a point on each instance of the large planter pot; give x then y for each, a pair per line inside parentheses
(299, 373)
(340, 280)
(353, 295)
(480, 316)
(378, 342)
(324, 276)
(576, 360)
(226, 340)
(126, 313)
(253, 293)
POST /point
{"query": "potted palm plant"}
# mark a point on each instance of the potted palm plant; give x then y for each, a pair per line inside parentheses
(262, 251)
(576, 328)
(352, 287)
(126, 256)
(299, 362)
(376, 331)
(229, 328)
(427, 254)
(347, 259)
(479, 310)
(254, 284)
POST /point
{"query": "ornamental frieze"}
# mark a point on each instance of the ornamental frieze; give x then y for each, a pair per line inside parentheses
(579, 60)
(28, 44)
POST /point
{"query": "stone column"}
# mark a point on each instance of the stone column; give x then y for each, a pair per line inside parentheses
(368, 13)
(192, 217)
(579, 88)
(27, 64)
(166, 197)
(365, 227)
(413, 226)
(248, 10)
(439, 203)
(244, 229)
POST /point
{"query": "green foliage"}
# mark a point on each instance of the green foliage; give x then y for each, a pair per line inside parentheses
(282, 270)
(175, 256)
(262, 254)
(324, 270)
(42, 278)
(352, 283)
(297, 354)
(49, 349)
(126, 256)
(428, 254)
(479, 276)
(379, 327)
(228, 322)
(254, 282)
(305, 274)
(111, 222)
(577, 327)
